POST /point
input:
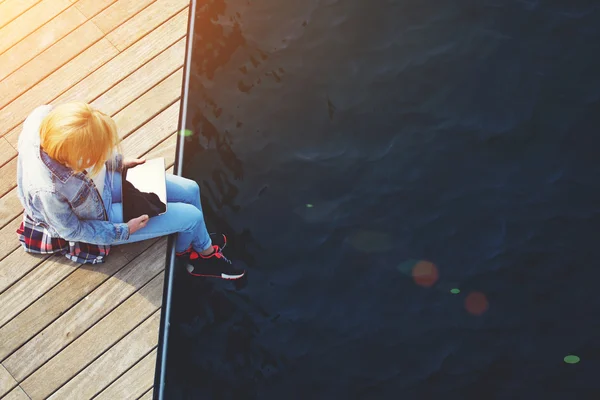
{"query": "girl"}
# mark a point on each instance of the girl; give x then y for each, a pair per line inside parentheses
(69, 183)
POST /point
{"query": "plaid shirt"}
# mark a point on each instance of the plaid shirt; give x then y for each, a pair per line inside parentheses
(36, 239)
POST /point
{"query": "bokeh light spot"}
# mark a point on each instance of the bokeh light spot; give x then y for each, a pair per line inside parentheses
(455, 291)
(571, 359)
(186, 132)
(309, 206)
(476, 303)
(425, 273)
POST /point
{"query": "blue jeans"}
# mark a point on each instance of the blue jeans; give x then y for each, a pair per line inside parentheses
(184, 214)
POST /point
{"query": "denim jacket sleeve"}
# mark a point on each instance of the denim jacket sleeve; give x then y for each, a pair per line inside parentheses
(58, 214)
(115, 164)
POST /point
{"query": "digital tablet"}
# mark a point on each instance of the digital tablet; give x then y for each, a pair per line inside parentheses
(144, 189)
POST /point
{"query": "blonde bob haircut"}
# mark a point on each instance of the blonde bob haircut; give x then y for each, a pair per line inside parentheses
(79, 136)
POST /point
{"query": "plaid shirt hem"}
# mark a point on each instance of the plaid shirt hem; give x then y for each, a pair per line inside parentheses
(36, 239)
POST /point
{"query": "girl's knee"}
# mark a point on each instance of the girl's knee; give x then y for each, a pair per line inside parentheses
(194, 189)
(193, 217)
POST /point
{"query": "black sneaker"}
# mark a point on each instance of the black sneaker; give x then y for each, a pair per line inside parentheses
(214, 265)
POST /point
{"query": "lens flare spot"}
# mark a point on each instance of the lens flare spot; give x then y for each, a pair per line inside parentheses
(455, 291)
(476, 303)
(425, 274)
(571, 359)
(186, 132)
(309, 206)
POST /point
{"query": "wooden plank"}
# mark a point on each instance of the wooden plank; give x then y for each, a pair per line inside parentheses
(40, 40)
(8, 239)
(150, 104)
(48, 61)
(7, 382)
(149, 395)
(166, 150)
(10, 207)
(128, 61)
(142, 23)
(78, 319)
(133, 383)
(8, 176)
(112, 363)
(13, 136)
(7, 152)
(62, 79)
(16, 394)
(14, 266)
(154, 132)
(118, 13)
(11, 9)
(89, 8)
(33, 285)
(29, 21)
(142, 80)
(63, 296)
(101, 79)
(97, 340)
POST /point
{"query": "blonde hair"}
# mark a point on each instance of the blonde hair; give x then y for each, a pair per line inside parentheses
(79, 136)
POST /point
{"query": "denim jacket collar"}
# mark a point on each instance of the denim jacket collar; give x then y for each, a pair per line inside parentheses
(60, 171)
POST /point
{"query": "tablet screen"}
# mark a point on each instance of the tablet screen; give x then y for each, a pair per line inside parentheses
(144, 189)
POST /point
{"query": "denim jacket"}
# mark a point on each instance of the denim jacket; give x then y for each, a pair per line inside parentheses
(65, 203)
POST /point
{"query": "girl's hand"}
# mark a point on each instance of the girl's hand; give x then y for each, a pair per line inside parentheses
(138, 223)
(132, 162)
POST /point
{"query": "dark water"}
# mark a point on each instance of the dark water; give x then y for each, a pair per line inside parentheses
(365, 158)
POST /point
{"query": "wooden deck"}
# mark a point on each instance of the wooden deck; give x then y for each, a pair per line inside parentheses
(66, 330)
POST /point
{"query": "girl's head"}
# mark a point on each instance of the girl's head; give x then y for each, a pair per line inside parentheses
(78, 136)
